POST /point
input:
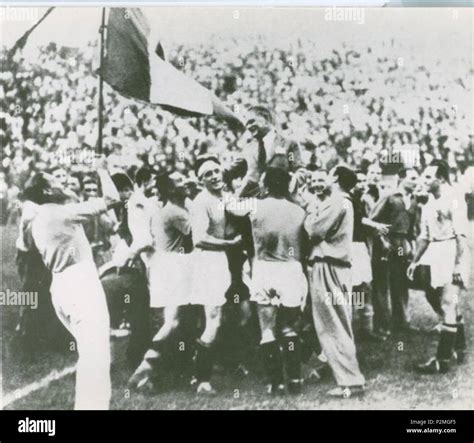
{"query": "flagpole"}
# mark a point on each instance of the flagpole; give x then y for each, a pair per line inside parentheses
(20, 43)
(101, 85)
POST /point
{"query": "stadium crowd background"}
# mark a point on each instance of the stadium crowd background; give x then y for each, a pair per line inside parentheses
(357, 103)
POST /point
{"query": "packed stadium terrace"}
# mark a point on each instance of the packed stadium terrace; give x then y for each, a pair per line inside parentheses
(353, 103)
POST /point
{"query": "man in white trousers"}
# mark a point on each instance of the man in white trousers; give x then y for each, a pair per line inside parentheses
(77, 294)
(330, 231)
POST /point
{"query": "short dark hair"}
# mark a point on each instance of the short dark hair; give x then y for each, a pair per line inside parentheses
(35, 188)
(89, 179)
(77, 176)
(143, 175)
(164, 185)
(238, 169)
(346, 178)
(263, 111)
(442, 169)
(402, 172)
(121, 181)
(277, 181)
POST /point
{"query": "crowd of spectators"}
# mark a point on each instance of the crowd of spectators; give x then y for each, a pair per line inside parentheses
(356, 103)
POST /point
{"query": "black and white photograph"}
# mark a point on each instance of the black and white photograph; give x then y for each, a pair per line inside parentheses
(237, 207)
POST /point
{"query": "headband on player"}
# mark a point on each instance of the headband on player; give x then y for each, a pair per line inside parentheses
(208, 165)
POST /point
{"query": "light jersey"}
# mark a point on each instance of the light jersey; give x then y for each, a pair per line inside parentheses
(315, 204)
(444, 218)
(140, 210)
(59, 235)
(171, 228)
(208, 215)
(277, 228)
(331, 229)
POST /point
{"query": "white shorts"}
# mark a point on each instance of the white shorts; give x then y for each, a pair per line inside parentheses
(211, 277)
(440, 256)
(361, 267)
(278, 283)
(169, 276)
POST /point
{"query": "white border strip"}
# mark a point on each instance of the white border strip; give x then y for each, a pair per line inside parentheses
(53, 376)
(195, 2)
(246, 3)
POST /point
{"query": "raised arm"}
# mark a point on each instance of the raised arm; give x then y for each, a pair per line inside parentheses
(109, 191)
(82, 211)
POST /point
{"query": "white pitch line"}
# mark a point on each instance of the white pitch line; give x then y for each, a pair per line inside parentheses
(55, 375)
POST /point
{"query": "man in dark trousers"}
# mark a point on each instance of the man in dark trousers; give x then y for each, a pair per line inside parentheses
(392, 254)
(126, 286)
(361, 267)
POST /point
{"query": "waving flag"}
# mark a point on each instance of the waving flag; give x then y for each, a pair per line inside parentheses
(135, 67)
